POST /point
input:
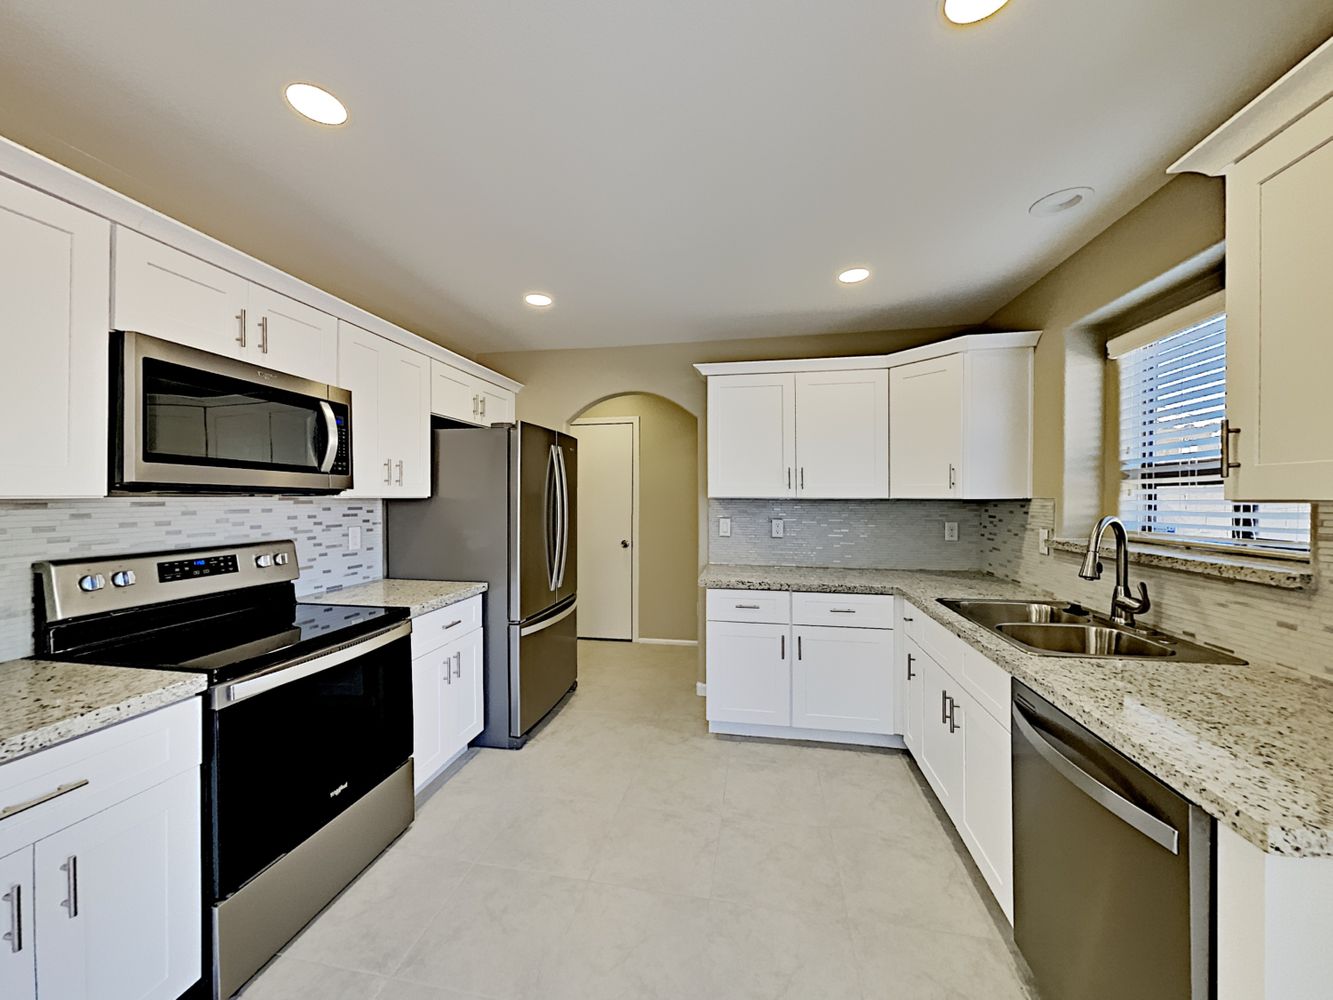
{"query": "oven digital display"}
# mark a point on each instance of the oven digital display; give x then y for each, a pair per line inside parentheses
(192, 569)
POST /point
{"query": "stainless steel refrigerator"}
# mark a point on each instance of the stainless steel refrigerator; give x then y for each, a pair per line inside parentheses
(502, 509)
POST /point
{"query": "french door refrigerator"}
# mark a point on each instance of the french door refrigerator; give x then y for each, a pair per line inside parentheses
(502, 509)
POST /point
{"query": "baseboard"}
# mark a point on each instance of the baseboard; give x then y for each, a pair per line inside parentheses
(668, 642)
(806, 735)
(701, 689)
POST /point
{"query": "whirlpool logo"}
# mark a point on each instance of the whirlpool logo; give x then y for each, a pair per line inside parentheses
(338, 791)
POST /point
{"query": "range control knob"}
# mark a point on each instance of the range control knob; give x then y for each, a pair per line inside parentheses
(123, 578)
(281, 558)
(264, 561)
(94, 581)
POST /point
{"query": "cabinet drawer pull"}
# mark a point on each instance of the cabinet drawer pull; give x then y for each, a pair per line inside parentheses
(748, 607)
(842, 611)
(71, 870)
(452, 624)
(953, 477)
(65, 789)
(906, 619)
(14, 897)
(954, 725)
(911, 674)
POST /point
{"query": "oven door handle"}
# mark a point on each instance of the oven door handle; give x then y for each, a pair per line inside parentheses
(226, 695)
(331, 431)
(1162, 834)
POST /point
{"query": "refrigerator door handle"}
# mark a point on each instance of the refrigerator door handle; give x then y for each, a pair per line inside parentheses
(564, 516)
(552, 518)
(543, 625)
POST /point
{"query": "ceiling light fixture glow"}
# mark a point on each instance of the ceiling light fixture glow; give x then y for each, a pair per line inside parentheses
(316, 103)
(1060, 201)
(854, 274)
(539, 299)
(971, 11)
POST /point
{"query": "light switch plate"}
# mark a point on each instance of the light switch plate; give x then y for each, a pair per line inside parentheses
(1044, 541)
(951, 531)
(354, 539)
(724, 527)
(779, 528)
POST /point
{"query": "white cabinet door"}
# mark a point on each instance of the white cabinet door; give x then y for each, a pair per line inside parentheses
(913, 665)
(465, 695)
(749, 673)
(752, 435)
(162, 291)
(405, 419)
(54, 279)
(454, 394)
(942, 755)
(291, 336)
(429, 708)
(359, 363)
(497, 405)
(926, 428)
(1279, 300)
(119, 913)
(18, 942)
(988, 805)
(842, 679)
(842, 434)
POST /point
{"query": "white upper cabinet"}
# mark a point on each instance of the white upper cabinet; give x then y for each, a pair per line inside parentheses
(54, 277)
(291, 336)
(460, 396)
(752, 436)
(390, 387)
(842, 434)
(961, 426)
(497, 404)
(1277, 157)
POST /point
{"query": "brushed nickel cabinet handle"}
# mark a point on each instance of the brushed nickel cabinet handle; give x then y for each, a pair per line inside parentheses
(483, 407)
(789, 478)
(14, 897)
(71, 870)
(400, 472)
(803, 477)
(453, 624)
(842, 611)
(1227, 463)
(953, 476)
(475, 405)
(748, 607)
(458, 664)
(944, 707)
(388, 472)
(55, 793)
(240, 337)
(263, 334)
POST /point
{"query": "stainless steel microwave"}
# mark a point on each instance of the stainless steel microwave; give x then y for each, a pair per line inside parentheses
(185, 420)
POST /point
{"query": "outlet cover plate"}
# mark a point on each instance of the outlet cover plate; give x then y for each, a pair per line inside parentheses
(724, 527)
(779, 528)
(951, 531)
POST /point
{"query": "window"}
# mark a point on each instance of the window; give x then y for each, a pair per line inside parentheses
(1173, 392)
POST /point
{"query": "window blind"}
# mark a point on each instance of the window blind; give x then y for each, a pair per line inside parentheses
(1172, 403)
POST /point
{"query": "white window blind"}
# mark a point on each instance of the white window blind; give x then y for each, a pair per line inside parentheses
(1172, 401)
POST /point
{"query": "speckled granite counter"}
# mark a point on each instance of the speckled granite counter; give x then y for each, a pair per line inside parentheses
(1252, 745)
(418, 596)
(43, 703)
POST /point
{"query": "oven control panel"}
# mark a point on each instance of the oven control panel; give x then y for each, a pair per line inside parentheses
(192, 569)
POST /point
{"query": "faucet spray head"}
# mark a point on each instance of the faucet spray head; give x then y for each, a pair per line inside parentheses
(1092, 566)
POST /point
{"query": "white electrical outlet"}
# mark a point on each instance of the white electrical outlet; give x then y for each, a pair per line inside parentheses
(951, 531)
(1044, 541)
(779, 529)
(354, 539)
(724, 527)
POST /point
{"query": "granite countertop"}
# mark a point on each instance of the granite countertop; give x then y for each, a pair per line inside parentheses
(418, 596)
(1249, 744)
(44, 702)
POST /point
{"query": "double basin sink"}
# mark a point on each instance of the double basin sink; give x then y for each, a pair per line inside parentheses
(1055, 628)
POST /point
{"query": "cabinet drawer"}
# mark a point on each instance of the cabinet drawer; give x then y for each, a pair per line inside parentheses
(851, 610)
(433, 630)
(98, 770)
(771, 607)
(910, 618)
(946, 648)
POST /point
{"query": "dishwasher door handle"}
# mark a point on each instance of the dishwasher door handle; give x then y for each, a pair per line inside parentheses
(1162, 834)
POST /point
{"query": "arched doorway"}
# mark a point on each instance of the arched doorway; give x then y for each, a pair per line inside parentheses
(638, 519)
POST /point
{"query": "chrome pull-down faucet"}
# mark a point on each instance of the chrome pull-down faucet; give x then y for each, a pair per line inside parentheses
(1124, 604)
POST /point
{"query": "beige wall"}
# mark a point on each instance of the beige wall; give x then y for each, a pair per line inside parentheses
(1118, 271)
(668, 520)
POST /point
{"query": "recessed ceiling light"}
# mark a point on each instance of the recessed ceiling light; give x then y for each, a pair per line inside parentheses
(1060, 201)
(854, 274)
(538, 299)
(971, 11)
(316, 103)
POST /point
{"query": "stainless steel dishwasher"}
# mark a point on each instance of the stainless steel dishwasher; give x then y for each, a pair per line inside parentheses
(1112, 869)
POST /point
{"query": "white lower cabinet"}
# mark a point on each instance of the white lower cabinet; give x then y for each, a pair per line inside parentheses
(842, 679)
(914, 697)
(941, 756)
(100, 879)
(988, 802)
(446, 689)
(749, 674)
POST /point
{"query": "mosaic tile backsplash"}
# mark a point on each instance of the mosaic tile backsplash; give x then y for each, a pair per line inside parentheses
(857, 534)
(31, 531)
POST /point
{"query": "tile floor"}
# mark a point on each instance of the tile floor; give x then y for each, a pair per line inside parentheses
(626, 854)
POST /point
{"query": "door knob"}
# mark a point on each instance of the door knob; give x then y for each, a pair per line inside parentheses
(624, 543)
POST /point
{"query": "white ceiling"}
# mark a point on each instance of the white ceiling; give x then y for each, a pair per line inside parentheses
(673, 171)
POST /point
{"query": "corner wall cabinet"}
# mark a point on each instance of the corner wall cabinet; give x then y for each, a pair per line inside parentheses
(54, 281)
(952, 419)
(101, 885)
(446, 686)
(1277, 157)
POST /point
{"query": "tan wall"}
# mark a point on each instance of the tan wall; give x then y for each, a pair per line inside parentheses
(1116, 270)
(668, 519)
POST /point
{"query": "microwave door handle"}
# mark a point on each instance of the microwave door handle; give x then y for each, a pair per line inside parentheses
(331, 433)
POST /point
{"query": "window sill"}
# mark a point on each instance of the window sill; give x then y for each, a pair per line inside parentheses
(1284, 574)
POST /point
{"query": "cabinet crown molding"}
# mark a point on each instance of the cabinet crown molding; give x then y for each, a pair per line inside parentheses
(1302, 88)
(954, 345)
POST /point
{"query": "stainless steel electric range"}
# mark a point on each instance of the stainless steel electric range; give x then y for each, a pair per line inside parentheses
(307, 726)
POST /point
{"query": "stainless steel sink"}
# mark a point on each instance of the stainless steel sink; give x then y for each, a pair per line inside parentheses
(1058, 628)
(1082, 640)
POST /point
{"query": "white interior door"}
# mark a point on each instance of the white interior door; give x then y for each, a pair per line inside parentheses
(607, 542)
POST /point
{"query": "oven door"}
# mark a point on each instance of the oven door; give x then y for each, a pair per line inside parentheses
(190, 420)
(293, 747)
